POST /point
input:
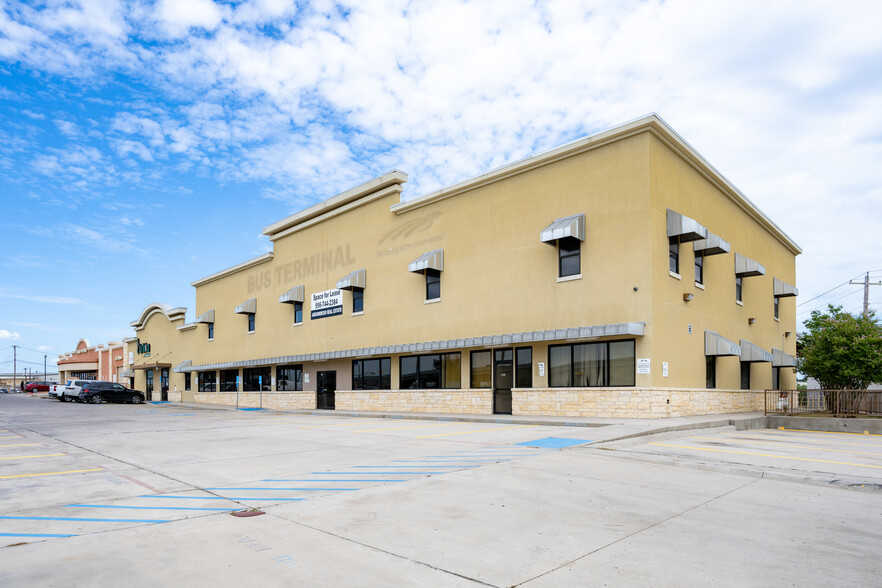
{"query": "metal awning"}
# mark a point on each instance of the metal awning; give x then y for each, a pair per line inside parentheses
(713, 245)
(685, 228)
(247, 307)
(568, 226)
(431, 260)
(782, 289)
(781, 359)
(746, 267)
(354, 280)
(206, 317)
(636, 329)
(180, 367)
(752, 353)
(295, 294)
(127, 374)
(151, 366)
(715, 344)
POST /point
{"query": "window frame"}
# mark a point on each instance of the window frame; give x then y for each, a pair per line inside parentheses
(674, 254)
(565, 255)
(252, 322)
(384, 373)
(489, 366)
(739, 289)
(206, 385)
(298, 313)
(298, 381)
(210, 331)
(710, 372)
(607, 364)
(699, 267)
(745, 375)
(527, 382)
(187, 378)
(357, 300)
(433, 284)
(250, 382)
(442, 376)
(777, 308)
(228, 385)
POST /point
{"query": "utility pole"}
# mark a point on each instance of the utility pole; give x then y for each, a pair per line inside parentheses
(866, 283)
(44, 368)
(14, 359)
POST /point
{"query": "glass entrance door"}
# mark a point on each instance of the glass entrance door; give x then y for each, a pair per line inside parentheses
(149, 385)
(503, 379)
(163, 383)
(326, 385)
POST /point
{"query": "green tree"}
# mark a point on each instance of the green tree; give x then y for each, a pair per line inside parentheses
(841, 350)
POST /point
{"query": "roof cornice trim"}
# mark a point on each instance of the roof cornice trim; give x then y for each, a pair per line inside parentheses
(232, 270)
(394, 177)
(652, 124)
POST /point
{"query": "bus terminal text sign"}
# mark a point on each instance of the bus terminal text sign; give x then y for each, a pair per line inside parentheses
(327, 303)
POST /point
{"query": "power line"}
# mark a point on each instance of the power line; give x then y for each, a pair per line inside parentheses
(828, 291)
(827, 302)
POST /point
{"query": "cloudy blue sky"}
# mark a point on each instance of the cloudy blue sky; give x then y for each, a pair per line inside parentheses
(146, 144)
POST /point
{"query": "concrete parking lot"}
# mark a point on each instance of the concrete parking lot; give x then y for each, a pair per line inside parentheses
(105, 494)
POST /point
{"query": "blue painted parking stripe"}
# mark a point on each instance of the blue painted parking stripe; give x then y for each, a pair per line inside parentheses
(445, 461)
(395, 466)
(34, 535)
(373, 473)
(280, 488)
(327, 480)
(146, 507)
(79, 520)
(213, 497)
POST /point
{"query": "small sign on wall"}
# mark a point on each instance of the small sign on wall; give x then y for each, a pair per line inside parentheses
(664, 369)
(541, 366)
(305, 377)
(643, 365)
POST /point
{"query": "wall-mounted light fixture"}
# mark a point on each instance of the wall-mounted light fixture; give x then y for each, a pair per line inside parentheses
(687, 297)
(751, 321)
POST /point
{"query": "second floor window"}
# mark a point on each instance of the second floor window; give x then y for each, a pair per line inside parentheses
(357, 300)
(251, 322)
(699, 267)
(298, 312)
(433, 284)
(211, 330)
(569, 255)
(674, 254)
(738, 288)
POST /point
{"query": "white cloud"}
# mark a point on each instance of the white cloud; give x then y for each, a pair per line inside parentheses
(179, 16)
(9, 335)
(44, 348)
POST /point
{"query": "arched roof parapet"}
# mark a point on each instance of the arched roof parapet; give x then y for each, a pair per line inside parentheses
(172, 314)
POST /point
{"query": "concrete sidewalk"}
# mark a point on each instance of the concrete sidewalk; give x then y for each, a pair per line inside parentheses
(603, 429)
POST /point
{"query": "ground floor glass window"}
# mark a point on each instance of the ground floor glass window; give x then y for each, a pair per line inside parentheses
(256, 379)
(587, 365)
(430, 372)
(481, 369)
(289, 378)
(207, 381)
(228, 381)
(372, 374)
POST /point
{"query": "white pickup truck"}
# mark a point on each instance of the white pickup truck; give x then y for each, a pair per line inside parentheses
(67, 392)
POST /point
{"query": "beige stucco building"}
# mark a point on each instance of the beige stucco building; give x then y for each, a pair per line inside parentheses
(619, 275)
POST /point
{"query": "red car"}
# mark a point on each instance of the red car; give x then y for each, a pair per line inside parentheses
(38, 386)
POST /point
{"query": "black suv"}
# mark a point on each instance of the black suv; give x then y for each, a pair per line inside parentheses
(97, 392)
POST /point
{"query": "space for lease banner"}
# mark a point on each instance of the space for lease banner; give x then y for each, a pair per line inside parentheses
(327, 303)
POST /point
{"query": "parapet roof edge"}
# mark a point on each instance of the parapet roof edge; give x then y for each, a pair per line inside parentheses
(391, 178)
(651, 123)
(232, 270)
